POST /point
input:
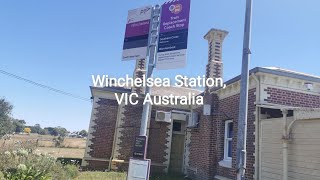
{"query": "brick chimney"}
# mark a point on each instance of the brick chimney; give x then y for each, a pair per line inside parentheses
(139, 72)
(214, 68)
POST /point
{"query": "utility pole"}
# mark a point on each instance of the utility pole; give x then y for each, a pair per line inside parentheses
(152, 52)
(243, 105)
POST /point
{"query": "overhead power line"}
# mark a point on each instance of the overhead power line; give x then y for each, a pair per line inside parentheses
(44, 86)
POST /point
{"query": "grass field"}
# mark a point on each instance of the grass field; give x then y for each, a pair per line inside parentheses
(71, 147)
(120, 176)
(101, 176)
(62, 152)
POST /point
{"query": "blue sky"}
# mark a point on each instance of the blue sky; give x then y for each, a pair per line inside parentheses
(62, 43)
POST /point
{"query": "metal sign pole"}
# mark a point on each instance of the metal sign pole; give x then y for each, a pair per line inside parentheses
(152, 48)
(243, 105)
(140, 145)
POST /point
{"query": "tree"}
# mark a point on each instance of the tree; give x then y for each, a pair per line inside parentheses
(36, 128)
(61, 131)
(57, 131)
(49, 130)
(6, 125)
(43, 132)
(19, 125)
(27, 130)
(83, 133)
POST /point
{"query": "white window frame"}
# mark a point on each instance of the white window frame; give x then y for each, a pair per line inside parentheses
(226, 140)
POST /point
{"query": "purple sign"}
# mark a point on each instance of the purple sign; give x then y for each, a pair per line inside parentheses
(173, 36)
(137, 28)
(175, 15)
(135, 43)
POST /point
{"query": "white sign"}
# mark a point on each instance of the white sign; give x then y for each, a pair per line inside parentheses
(172, 59)
(139, 169)
(137, 34)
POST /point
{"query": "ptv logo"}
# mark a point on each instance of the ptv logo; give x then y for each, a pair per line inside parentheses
(175, 8)
(144, 11)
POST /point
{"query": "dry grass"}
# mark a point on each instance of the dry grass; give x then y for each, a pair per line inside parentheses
(62, 152)
(71, 147)
(101, 176)
(74, 143)
(46, 140)
(121, 176)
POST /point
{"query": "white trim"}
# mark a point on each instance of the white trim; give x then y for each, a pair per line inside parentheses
(181, 112)
(187, 151)
(168, 149)
(91, 130)
(221, 178)
(226, 163)
(234, 89)
(257, 124)
(226, 140)
(287, 83)
(184, 152)
(179, 116)
(119, 124)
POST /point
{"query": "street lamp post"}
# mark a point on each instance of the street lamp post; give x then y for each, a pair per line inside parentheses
(243, 105)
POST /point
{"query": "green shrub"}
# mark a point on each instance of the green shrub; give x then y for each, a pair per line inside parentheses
(1, 175)
(72, 170)
(28, 164)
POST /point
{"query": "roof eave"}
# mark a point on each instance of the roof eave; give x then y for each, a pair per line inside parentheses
(271, 71)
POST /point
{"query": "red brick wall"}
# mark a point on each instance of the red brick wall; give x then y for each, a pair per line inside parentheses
(203, 146)
(201, 150)
(103, 135)
(291, 98)
(104, 129)
(229, 110)
(157, 133)
(129, 130)
(207, 152)
(157, 136)
(207, 141)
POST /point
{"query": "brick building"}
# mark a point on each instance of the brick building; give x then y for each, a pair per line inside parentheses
(208, 150)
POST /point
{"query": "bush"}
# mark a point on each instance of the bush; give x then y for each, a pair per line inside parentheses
(72, 170)
(28, 164)
(1, 175)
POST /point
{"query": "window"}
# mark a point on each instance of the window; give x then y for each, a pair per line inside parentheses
(176, 126)
(228, 135)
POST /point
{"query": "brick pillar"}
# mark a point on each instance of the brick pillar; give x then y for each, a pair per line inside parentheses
(214, 68)
(204, 141)
(139, 72)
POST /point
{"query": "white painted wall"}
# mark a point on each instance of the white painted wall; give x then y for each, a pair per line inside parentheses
(303, 150)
